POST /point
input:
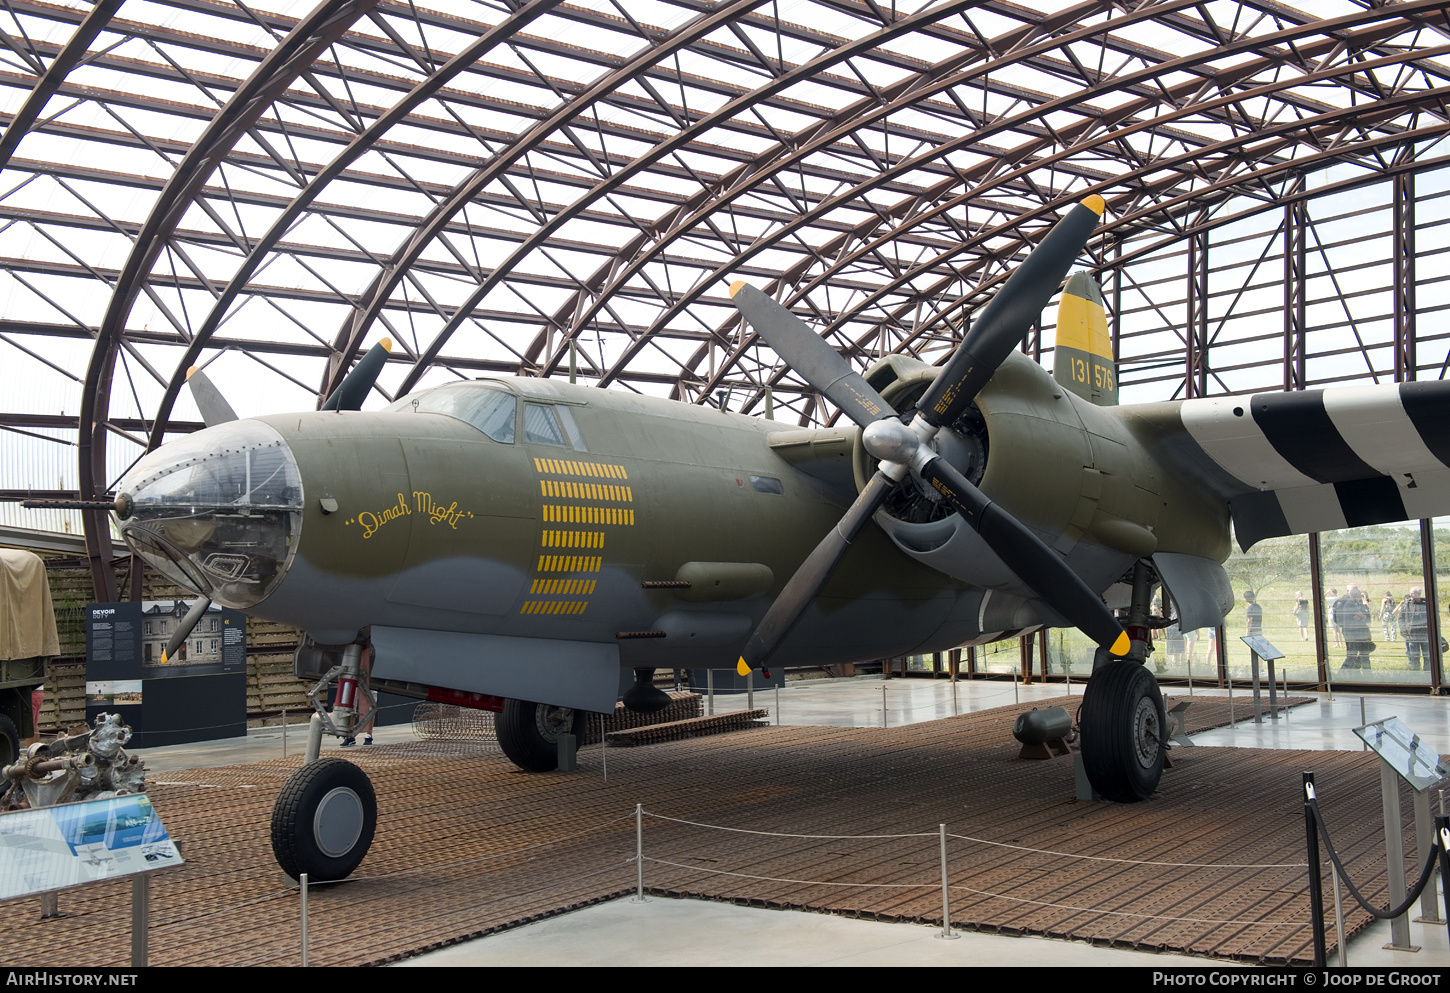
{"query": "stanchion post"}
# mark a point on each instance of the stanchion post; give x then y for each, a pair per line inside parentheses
(302, 881)
(1316, 889)
(140, 918)
(1442, 831)
(946, 902)
(639, 853)
(1339, 930)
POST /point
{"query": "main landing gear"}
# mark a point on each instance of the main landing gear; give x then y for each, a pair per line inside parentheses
(1123, 731)
(1122, 721)
(529, 733)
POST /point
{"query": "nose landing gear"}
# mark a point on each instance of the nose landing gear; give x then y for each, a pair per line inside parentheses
(324, 818)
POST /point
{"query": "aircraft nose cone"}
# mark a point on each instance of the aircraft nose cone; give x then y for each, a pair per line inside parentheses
(219, 511)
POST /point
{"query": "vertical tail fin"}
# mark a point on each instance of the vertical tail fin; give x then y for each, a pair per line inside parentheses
(1083, 356)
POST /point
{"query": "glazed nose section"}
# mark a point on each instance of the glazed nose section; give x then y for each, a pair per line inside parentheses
(219, 511)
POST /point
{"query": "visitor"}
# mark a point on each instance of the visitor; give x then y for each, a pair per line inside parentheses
(1414, 629)
(1353, 614)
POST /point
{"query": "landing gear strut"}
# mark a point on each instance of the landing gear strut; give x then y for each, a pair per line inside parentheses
(1122, 721)
(324, 818)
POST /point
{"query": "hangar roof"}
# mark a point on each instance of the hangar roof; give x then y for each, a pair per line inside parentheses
(497, 185)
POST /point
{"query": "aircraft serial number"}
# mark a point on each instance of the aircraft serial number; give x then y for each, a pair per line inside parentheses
(1102, 375)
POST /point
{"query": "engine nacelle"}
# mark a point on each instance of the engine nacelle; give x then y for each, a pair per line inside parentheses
(1071, 478)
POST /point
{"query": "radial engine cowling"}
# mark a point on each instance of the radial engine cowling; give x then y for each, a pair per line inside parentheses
(1025, 445)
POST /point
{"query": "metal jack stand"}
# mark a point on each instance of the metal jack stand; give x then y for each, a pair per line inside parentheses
(1404, 756)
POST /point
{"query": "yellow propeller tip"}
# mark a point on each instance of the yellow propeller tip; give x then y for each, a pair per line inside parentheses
(192, 371)
(1096, 204)
(741, 667)
(1121, 646)
(736, 287)
(387, 343)
(163, 656)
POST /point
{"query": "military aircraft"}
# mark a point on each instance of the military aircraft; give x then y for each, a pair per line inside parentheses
(517, 544)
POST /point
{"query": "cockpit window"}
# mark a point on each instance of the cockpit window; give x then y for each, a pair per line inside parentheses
(488, 408)
(541, 426)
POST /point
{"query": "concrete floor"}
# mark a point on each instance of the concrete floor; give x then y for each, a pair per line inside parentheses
(720, 934)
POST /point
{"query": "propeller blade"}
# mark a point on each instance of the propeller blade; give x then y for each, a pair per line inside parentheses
(808, 354)
(188, 624)
(353, 389)
(1038, 566)
(209, 400)
(1006, 319)
(802, 587)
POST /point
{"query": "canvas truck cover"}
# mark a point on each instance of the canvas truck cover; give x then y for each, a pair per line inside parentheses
(27, 619)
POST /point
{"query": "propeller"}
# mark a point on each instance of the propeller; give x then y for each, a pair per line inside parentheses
(193, 617)
(209, 400)
(903, 449)
(353, 389)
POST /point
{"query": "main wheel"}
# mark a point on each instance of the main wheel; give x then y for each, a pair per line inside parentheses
(323, 821)
(1124, 731)
(9, 741)
(529, 733)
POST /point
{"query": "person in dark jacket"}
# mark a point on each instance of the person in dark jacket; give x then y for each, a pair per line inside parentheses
(1352, 611)
(1414, 628)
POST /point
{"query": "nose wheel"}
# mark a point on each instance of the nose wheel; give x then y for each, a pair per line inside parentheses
(1124, 731)
(323, 821)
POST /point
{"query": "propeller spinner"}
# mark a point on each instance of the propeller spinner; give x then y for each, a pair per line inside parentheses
(904, 449)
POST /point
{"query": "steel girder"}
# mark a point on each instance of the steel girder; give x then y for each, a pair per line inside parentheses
(195, 183)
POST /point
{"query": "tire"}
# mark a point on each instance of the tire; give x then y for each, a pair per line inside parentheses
(1124, 732)
(9, 741)
(323, 821)
(529, 733)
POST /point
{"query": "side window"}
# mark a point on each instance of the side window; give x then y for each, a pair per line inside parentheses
(541, 426)
(767, 484)
(571, 427)
(494, 414)
(492, 411)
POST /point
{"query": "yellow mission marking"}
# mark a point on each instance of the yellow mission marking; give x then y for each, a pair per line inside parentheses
(562, 587)
(570, 563)
(569, 467)
(585, 491)
(555, 607)
(573, 539)
(589, 515)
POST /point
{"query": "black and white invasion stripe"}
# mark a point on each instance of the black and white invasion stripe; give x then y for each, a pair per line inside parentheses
(1318, 460)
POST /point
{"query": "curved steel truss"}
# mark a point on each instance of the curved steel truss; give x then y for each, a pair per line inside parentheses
(514, 186)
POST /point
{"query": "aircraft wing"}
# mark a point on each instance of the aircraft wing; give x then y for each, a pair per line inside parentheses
(1314, 460)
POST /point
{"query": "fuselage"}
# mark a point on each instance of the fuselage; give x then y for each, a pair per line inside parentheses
(528, 508)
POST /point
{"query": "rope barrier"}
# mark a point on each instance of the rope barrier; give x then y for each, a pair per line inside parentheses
(1427, 872)
(984, 893)
(777, 834)
(1162, 865)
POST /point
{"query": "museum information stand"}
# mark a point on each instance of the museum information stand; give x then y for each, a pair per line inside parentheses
(199, 695)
